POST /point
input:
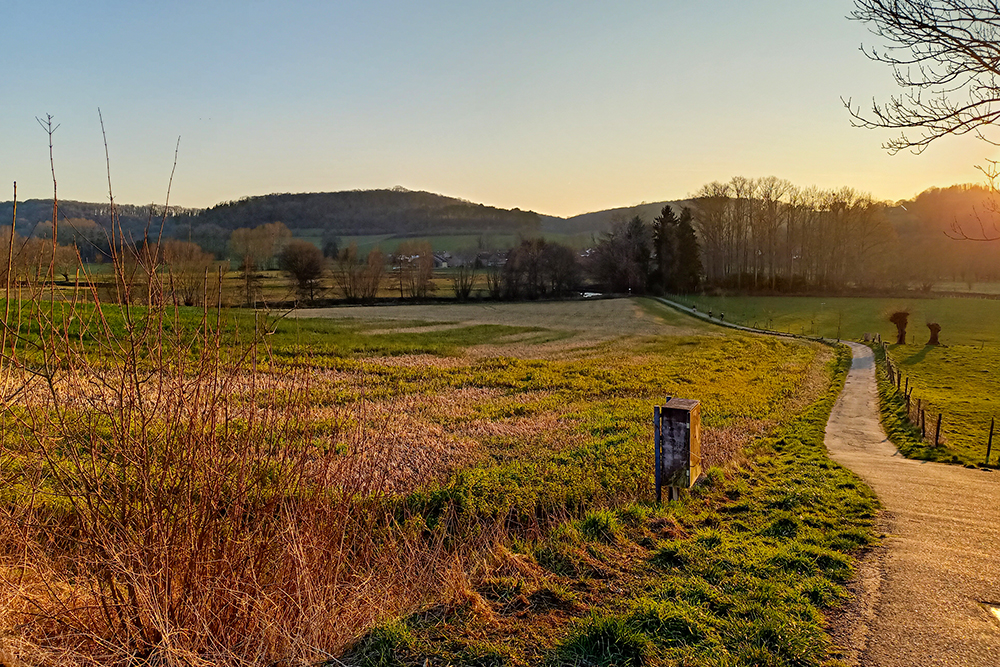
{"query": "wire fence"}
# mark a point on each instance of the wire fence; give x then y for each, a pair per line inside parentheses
(917, 409)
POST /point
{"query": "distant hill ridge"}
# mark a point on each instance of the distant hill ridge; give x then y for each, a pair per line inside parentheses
(359, 212)
(600, 221)
(32, 211)
(394, 211)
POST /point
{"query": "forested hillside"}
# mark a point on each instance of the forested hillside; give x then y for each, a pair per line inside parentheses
(34, 211)
(357, 212)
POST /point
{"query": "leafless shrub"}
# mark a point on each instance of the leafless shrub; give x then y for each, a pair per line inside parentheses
(167, 498)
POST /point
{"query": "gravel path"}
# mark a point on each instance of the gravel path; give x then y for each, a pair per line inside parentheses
(925, 596)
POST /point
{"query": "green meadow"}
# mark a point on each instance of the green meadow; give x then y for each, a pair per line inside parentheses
(464, 494)
(958, 379)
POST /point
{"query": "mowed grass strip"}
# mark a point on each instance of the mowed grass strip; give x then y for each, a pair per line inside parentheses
(736, 573)
(960, 379)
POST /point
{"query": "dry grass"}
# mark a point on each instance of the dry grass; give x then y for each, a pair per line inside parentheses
(164, 501)
(171, 501)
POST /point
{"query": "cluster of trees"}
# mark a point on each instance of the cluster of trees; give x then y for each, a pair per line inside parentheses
(926, 255)
(171, 271)
(358, 277)
(533, 269)
(31, 257)
(767, 233)
(256, 249)
(637, 257)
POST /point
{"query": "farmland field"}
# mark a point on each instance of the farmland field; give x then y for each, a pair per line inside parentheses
(959, 379)
(465, 485)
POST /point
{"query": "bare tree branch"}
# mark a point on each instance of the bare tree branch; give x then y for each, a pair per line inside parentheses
(946, 54)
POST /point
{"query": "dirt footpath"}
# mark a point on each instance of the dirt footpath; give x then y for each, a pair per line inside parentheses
(925, 597)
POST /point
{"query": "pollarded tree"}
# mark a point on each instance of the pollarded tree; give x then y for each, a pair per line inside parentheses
(944, 54)
(305, 264)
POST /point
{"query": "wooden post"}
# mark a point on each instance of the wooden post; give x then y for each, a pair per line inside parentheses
(937, 431)
(989, 443)
(680, 445)
(908, 406)
(923, 424)
(656, 454)
(906, 389)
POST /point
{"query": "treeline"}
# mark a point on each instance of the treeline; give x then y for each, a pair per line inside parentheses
(766, 233)
(636, 256)
(134, 219)
(763, 234)
(944, 235)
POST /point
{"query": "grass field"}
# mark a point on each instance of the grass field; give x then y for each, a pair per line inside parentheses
(393, 485)
(959, 379)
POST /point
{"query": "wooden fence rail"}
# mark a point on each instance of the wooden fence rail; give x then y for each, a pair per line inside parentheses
(916, 413)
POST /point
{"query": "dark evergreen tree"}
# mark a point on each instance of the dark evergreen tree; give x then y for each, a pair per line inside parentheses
(665, 248)
(687, 268)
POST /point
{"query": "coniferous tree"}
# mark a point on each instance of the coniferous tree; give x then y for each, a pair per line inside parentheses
(666, 249)
(687, 273)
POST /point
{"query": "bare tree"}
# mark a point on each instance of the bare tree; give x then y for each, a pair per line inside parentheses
(944, 54)
(463, 280)
(186, 267)
(494, 278)
(372, 275)
(347, 272)
(305, 264)
(414, 262)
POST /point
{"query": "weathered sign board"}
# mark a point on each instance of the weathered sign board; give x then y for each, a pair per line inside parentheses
(677, 445)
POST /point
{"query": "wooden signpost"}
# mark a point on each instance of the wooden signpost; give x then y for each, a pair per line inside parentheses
(677, 445)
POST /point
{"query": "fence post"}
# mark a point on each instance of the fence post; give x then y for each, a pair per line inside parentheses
(989, 443)
(906, 388)
(923, 424)
(937, 431)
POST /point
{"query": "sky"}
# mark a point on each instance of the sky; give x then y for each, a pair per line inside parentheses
(560, 107)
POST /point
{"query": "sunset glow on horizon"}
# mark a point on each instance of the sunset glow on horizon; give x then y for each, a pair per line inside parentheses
(559, 107)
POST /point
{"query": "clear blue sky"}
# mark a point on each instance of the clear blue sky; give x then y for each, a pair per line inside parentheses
(561, 107)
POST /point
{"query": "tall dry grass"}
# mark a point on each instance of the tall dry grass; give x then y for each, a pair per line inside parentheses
(166, 499)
